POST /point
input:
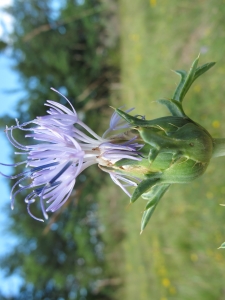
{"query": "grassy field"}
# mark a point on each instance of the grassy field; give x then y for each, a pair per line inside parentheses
(177, 256)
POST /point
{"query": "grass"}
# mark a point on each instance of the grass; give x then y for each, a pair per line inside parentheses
(176, 257)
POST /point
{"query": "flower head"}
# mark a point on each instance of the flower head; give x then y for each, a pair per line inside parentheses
(149, 155)
(62, 151)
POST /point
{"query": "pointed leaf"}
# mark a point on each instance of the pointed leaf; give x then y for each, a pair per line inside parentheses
(143, 187)
(222, 246)
(151, 194)
(132, 120)
(151, 203)
(146, 217)
(202, 69)
(189, 79)
(137, 122)
(183, 75)
(155, 195)
(186, 81)
(173, 106)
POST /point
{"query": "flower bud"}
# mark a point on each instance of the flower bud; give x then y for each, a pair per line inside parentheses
(176, 149)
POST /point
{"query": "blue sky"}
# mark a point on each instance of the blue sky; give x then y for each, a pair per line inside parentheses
(8, 81)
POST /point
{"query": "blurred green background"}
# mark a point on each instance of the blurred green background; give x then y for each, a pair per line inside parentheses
(101, 53)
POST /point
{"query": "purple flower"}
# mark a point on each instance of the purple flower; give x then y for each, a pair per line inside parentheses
(63, 151)
(117, 123)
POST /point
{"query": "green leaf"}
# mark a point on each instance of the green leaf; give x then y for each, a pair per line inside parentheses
(188, 80)
(164, 122)
(146, 217)
(143, 186)
(154, 195)
(222, 246)
(183, 75)
(133, 120)
(202, 69)
(174, 106)
(218, 147)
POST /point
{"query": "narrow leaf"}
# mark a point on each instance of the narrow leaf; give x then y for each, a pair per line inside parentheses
(173, 106)
(183, 75)
(189, 79)
(222, 246)
(154, 195)
(143, 187)
(130, 119)
(202, 69)
(146, 217)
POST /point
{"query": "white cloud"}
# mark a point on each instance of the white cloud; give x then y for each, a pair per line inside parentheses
(6, 21)
(5, 3)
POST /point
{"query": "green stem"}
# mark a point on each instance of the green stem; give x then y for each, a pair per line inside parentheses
(218, 147)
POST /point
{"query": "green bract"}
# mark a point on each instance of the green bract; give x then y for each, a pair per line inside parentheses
(176, 149)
